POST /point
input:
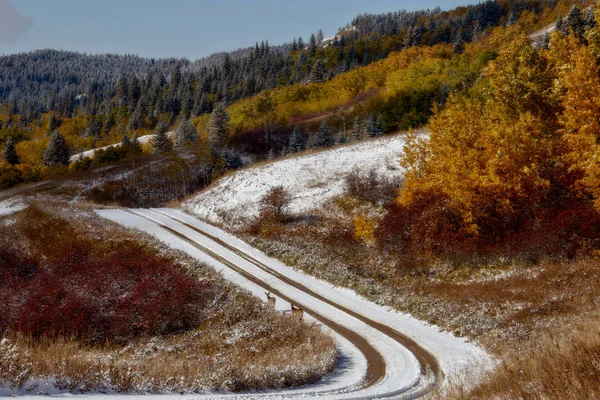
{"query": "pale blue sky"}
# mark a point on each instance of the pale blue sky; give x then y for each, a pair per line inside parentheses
(178, 28)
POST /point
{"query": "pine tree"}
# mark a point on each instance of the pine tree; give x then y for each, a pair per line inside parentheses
(94, 129)
(323, 136)
(341, 138)
(125, 141)
(368, 127)
(54, 122)
(297, 141)
(317, 74)
(378, 129)
(161, 143)
(57, 152)
(185, 134)
(300, 43)
(458, 46)
(589, 19)
(356, 129)
(10, 153)
(574, 22)
(312, 46)
(218, 126)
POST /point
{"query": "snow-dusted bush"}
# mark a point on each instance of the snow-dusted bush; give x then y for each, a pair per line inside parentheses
(15, 365)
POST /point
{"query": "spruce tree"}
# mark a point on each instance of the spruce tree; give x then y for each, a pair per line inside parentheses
(323, 136)
(589, 19)
(574, 22)
(218, 125)
(57, 152)
(185, 134)
(458, 46)
(54, 122)
(297, 142)
(317, 74)
(356, 129)
(378, 127)
(10, 153)
(161, 143)
(368, 128)
(125, 142)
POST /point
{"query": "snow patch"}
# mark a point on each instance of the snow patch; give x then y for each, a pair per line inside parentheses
(11, 206)
(311, 180)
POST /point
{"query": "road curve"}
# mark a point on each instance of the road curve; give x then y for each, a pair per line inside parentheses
(398, 366)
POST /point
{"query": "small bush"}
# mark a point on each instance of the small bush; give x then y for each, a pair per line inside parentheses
(274, 206)
(372, 187)
(15, 365)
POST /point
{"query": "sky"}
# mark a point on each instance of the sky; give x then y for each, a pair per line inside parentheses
(178, 28)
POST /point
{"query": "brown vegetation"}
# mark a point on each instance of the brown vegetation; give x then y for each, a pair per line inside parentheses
(202, 333)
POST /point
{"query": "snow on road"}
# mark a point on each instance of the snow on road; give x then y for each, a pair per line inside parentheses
(456, 356)
(311, 180)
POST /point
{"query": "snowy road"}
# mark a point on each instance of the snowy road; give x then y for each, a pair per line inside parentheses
(383, 353)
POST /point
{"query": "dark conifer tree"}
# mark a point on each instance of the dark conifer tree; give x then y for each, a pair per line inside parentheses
(185, 134)
(10, 153)
(218, 125)
(356, 129)
(161, 143)
(323, 136)
(297, 141)
(57, 152)
(368, 127)
(54, 122)
(317, 74)
(574, 22)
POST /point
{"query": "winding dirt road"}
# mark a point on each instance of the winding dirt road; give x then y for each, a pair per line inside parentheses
(397, 366)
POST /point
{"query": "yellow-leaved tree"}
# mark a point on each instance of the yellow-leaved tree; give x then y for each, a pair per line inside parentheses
(578, 85)
(491, 156)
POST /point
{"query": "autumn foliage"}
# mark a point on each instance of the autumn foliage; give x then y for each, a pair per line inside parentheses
(69, 285)
(517, 157)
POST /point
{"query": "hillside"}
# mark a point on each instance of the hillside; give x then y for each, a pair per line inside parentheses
(312, 179)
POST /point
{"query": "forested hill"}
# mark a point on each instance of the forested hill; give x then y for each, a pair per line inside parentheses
(71, 83)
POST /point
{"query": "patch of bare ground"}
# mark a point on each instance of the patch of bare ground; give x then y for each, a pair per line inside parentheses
(233, 343)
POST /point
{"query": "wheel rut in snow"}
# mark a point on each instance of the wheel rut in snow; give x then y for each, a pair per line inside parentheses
(376, 367)
(376, 364)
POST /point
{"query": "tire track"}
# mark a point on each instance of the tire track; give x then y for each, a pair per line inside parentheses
(376, 364)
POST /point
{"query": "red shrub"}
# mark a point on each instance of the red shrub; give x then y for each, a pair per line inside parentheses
(75, 289)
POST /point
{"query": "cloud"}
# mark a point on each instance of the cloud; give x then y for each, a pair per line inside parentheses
(12, 23)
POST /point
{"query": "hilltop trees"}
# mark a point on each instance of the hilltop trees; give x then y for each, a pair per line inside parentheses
(10, 153)
(57, 152)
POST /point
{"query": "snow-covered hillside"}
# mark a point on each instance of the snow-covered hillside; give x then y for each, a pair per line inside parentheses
(311, 180)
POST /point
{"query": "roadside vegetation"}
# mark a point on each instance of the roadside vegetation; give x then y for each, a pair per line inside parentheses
(88, 306)
(494, 232)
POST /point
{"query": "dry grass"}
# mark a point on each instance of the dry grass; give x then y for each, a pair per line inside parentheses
(559, 365)
(240, 344)
(523, 312)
